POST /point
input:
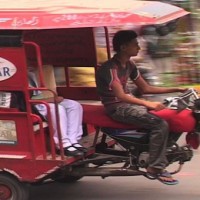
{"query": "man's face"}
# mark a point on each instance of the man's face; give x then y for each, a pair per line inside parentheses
(132, 48)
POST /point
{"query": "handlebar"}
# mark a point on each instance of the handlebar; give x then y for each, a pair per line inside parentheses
(185, 100)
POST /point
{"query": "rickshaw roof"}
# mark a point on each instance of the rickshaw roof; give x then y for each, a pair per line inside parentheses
(51, 14)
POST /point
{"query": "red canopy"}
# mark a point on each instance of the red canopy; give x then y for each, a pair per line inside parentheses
(50, 14)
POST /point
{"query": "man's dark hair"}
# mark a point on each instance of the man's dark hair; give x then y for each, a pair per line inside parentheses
(122, 37)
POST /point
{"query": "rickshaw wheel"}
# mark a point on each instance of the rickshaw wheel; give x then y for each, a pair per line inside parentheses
(12, 189)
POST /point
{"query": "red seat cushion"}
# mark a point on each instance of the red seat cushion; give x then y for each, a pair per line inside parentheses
(178, 121)
(95, 115)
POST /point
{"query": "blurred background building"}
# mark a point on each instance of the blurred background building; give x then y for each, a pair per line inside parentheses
(185, 47)
(170, 58)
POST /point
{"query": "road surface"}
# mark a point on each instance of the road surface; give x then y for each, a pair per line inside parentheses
(126, 188)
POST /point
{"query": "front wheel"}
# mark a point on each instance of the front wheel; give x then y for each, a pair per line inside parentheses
(12, 189)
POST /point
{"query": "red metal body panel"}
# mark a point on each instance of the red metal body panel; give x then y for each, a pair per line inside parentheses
(63, 46)
(25, 153)
(29, 170)
(16, 56)
(78, 93)
(20, 146)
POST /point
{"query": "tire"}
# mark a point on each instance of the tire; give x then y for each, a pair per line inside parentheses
(12, 189)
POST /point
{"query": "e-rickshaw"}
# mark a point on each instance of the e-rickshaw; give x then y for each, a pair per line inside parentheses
(61, 34)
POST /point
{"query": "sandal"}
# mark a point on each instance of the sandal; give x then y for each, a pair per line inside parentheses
(70, 151)
(79, 147)
(162, 177)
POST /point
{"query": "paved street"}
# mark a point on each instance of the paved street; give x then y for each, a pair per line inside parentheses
(125, 188)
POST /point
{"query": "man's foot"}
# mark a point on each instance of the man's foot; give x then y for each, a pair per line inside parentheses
(80, 147)
(70, 151)
(162, 175)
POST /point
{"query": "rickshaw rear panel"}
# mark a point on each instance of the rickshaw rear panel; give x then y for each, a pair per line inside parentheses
(20, 141)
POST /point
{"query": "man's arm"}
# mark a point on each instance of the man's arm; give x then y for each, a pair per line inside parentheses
(120, 94)
(51, 100)
(145, 88)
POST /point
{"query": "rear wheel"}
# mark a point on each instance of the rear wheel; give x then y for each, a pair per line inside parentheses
(12, 189)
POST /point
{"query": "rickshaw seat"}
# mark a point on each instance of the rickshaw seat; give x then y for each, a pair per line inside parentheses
(36, 125)
(96, 116)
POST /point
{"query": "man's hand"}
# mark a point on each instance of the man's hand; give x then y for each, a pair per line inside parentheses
(155, 105)
(182, 89)
(59, 99)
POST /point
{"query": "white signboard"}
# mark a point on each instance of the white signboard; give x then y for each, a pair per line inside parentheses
(7, 69)
(8, 134)
(5, 99)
